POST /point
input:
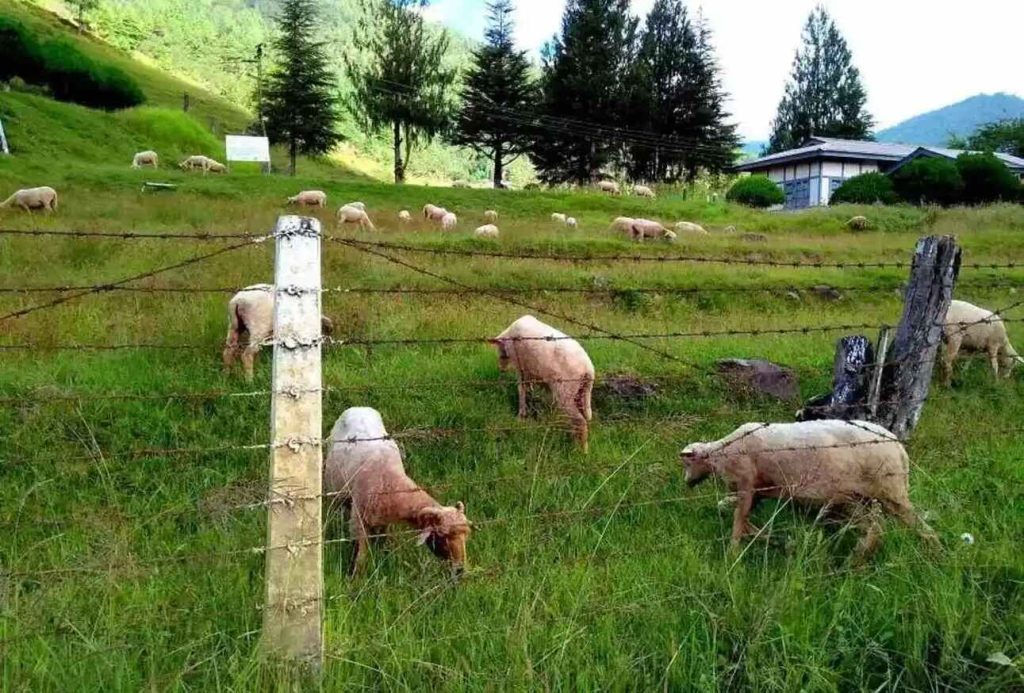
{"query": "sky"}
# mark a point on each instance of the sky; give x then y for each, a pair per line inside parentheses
(914, 55)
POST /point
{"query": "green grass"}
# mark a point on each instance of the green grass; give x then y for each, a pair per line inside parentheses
(626, 597)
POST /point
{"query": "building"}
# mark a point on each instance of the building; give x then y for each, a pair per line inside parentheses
(811, 173)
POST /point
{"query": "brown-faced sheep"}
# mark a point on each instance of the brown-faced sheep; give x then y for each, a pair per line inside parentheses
(970, 328)
(842, 465)
(309, 198)
(540, 353)
(369, 477)
(146, 158)
(44, 198)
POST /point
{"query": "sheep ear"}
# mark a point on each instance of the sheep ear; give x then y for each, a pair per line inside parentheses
(460, 506)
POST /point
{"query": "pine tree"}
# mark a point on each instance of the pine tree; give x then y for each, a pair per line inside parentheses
(586, 70)
(300, 99)
(498, 97)
(399, 77)
(824, 96)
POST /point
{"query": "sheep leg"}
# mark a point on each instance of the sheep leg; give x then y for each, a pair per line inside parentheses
(952, 349)
(524, 389)
(741, 518)
(357, 534)
(993, 357)
(248, 359)
(904, 512)
(868, 520)
(231, 352)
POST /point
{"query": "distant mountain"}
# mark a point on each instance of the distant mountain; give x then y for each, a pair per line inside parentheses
(960, 119)
(752, 148)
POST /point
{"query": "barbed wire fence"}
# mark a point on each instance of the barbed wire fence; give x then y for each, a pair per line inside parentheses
(301, 502)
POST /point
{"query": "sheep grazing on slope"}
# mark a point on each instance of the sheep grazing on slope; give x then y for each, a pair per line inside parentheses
(540, 353)
(490, 216)
(449, 221)
(433, 212)
(348, 214)
(843, 465)
(194, 162)
(368, 475)
(216, 167)
(858, 223)
(146, 158)
(643, 191)
(251, 312)
(970, 328)
(558, 218)
(609, 186)
(309, 198)
(690, 227)
(622, 225)
(357, 205)
(571, 223)
(44, 198)
(487, 231)
(404, 216)
(645, 228)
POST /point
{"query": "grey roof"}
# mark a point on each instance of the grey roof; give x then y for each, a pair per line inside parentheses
(817, 147)
(1014, 163)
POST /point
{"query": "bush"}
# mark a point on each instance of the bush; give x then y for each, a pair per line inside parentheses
(66, 71)
(929, 181)
(756, 191)
(986, 179)
(865, 189)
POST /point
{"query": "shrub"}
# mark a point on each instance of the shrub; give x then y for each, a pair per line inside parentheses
(756, 191)
(929, 181)
(865, 189)
(66, 71)
(986, 179)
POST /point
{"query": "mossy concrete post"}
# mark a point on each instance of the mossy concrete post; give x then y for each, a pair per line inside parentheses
(293, 604)
(907, 373)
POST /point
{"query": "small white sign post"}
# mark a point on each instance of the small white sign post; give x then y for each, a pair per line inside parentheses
(3, 140)
(247, 148)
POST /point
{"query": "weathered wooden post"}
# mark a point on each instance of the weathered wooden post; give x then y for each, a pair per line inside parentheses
(850, 383)
(293, 604)
(185, 102)
(907, 374)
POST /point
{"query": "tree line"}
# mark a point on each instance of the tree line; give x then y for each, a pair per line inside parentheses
(611, 97)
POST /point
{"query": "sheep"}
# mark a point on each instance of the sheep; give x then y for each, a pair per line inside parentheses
(609, 186)
(309, 198)
(44, 198)
(460, 184)
(146, 158)
(490, 216)
(858, 223)
(449, 221)
(357, 205)
(690, 227)
(571, 223)
(729, 229)
(622, 225)
(369, 477)
(645, 228)
(558, 218)
(970, 328)
(251, 311)
(643, 191)
(487, 231)
(216, 167)
(353, 215)
(845, 465)
(433, 212)
(196, 161)
(540, 353)
(404, 216)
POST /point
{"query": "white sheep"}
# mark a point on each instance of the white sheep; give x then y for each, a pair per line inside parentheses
(433, 212)
(645, 228)
(251, 313)
(643, 191)
(541, 354)
(309, 198)
(843, 465)
(353, 215)
(609, 186)
(449, 221)
(487, 231)
(146, 158)
(216, 167)
(970, 328)
(196, 161)
(357, 205)
(690, 227)
(44, 198)
(622, 225)
(571, 223)
(490, 216)
(558, 218)
(364, 470)
(404, 216)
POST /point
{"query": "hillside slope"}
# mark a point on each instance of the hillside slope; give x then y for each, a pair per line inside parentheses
(959, 119)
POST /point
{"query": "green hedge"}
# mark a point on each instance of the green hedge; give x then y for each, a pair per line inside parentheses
(68, 73)
(865, 189)
(756, 191)
(986, 179)
(929, 181)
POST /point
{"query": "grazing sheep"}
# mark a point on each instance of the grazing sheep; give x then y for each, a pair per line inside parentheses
(146, 158)
(487, 231)
(729, 229)
(449, 221)
(645, 228)
(609, 186)
(44, 198)
(837, 464)
(368, 476)
(404, 216)
(309, 198)
(251, 311)
(460, 184)
(196, 161)
(353, 215)
(216, 167)
(433, 212)
(490, 216)
(561, 363)
(858, 223)
(357, 205)
(622, 225)
(558, 218)
(571, 223)
(973, 329)
(690, 227)
(643, 191)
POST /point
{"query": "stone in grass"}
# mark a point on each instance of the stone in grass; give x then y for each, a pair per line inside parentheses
(755, 237)
(827, 292)
(626, 387)
(762, 376)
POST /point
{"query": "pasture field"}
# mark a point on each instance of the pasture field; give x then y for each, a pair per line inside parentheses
(124, 557)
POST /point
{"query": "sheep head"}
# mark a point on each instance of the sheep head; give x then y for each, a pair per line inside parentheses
(696, 463)
(504, 359)
(445, 530)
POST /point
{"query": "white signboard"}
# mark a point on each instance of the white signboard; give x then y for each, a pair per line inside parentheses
(3, 140)
(245, 148)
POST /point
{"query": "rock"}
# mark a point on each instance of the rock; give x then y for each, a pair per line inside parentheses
(762, 376)
(755, 237)
(627, 387)
(793, 295)
(827, 292)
